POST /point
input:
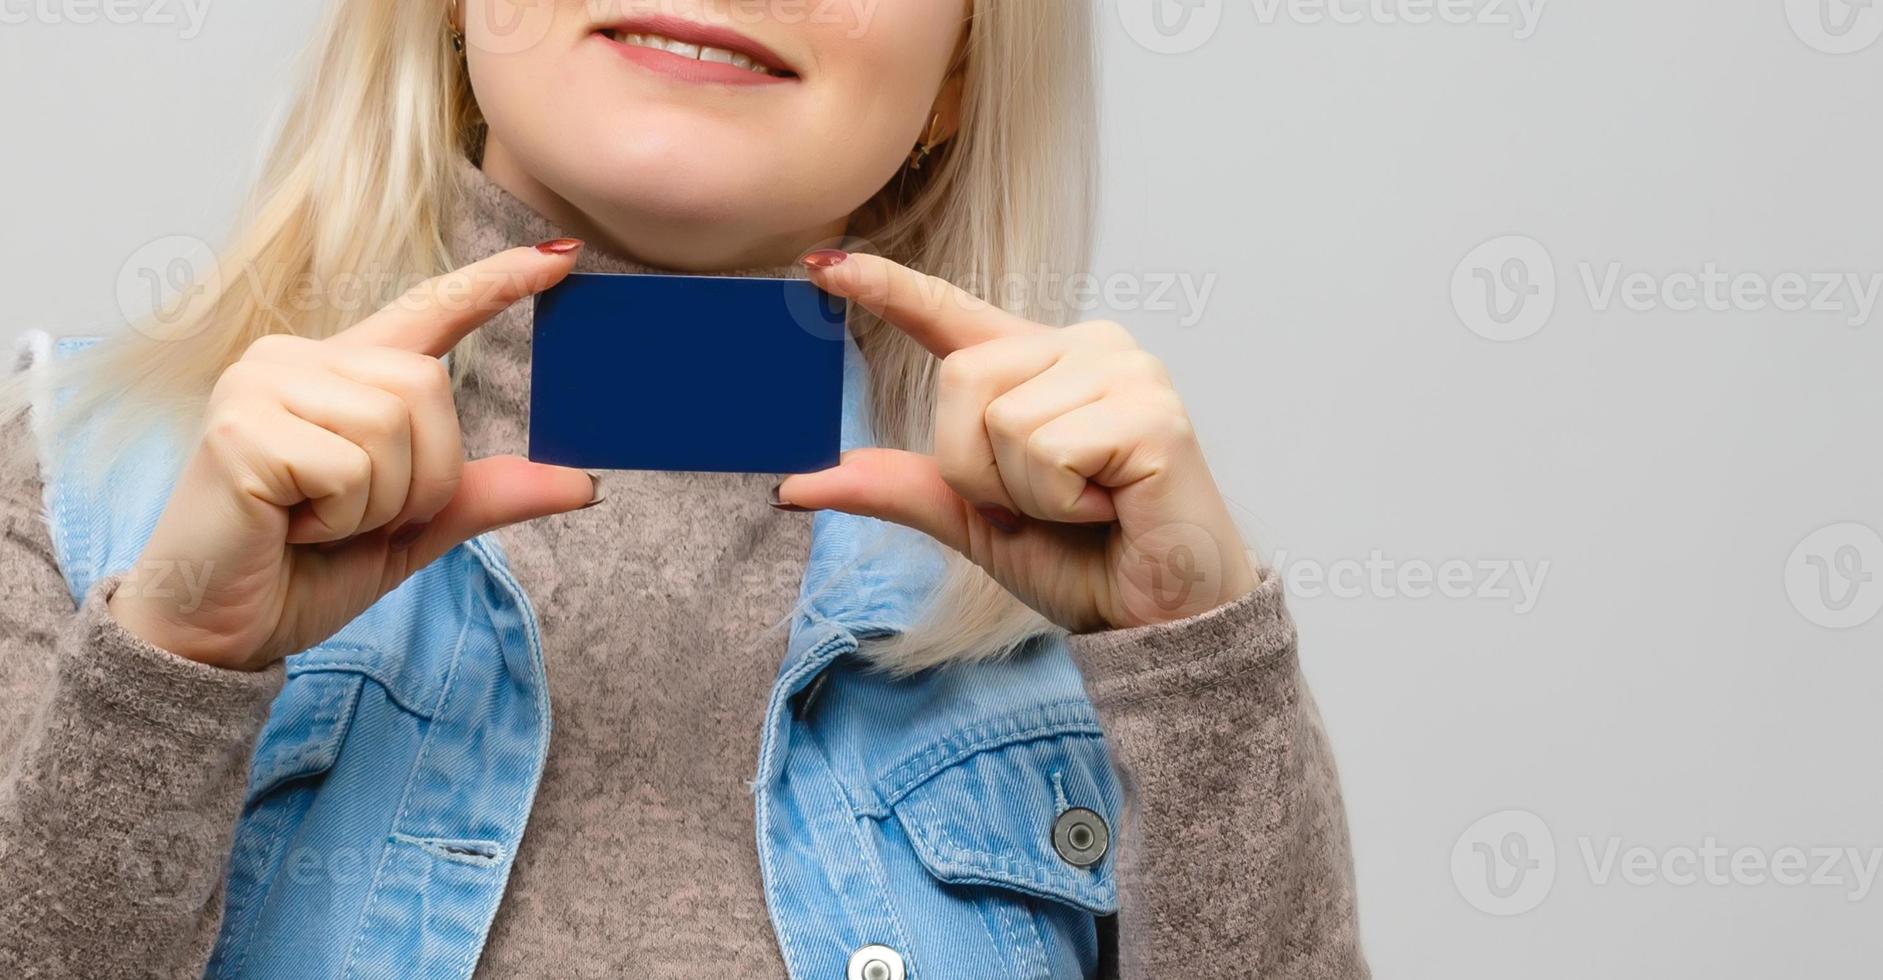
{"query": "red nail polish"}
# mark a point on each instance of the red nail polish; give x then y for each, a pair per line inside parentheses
(407, 536)
(824, 258)
(560, 246)
(1003, 519)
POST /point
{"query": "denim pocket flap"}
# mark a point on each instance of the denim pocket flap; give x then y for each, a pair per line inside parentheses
(1009, 814)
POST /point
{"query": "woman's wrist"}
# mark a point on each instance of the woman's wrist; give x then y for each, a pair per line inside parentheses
(137, 619)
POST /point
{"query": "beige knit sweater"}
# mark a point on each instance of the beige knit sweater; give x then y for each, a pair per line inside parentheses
(639, 860)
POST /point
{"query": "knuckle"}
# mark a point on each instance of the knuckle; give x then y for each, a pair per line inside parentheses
(224, 430)
(1005, 418)
(1172, 425)
(1179, 429)
(383, 417)
(1051, 457)
(430, 375)
(240, 379)
(1048, 450)
(356, 469)
(960, 370)
(418, 375)
(1107, 333)
(968, 478)
(271, 346)
(1143, 365)
(430, 496)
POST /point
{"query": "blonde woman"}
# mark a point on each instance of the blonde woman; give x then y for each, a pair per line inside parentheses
(288, 618)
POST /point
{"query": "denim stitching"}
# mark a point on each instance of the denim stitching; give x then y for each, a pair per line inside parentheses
(960, 862)
(951, 751)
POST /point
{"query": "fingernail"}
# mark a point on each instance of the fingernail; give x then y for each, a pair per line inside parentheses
(824, 258)
(407, 536)
(595, 495)
(778, 504)
(1000, 517)
(560, 246)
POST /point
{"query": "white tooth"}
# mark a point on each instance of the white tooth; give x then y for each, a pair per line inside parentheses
(683, 49)
(744, 62)
(720, 55)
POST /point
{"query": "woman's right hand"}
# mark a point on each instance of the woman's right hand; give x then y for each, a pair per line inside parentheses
(330, 471)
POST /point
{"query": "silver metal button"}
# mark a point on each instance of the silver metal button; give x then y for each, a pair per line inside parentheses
(876, 963)
(1081, 837)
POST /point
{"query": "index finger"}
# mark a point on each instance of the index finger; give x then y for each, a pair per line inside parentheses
(940, 315)
(432, 317)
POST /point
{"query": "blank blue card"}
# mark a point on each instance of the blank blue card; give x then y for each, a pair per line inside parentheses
(687, 373)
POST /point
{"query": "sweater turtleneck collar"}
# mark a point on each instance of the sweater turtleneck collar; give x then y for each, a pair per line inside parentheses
(864, 575)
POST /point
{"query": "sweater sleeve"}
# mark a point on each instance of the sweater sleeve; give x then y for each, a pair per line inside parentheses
(122, 771)
(1234, 857)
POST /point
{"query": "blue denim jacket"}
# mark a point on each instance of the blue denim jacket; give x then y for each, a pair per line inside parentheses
(393, 780)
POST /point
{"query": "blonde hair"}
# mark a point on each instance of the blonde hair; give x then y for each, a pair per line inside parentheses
(360, 182)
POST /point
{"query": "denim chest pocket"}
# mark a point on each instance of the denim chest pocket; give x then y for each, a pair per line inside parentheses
(1027, 810)
(397, 645)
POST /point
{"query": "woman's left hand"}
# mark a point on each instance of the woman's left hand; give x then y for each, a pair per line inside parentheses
(1064, 464)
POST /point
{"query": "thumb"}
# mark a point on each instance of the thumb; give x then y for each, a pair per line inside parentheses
(888, 484)
(501, 491)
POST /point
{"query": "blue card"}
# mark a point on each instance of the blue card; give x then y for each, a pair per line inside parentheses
(702, 373)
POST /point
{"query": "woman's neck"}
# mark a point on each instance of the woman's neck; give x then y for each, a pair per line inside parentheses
(657, 242)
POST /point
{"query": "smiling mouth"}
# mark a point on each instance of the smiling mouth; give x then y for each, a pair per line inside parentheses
(693, 51)
(697, 52)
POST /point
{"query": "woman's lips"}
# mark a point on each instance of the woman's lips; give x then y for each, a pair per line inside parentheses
(696, 52)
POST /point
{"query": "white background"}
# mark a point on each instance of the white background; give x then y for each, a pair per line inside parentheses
(1659, 468)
